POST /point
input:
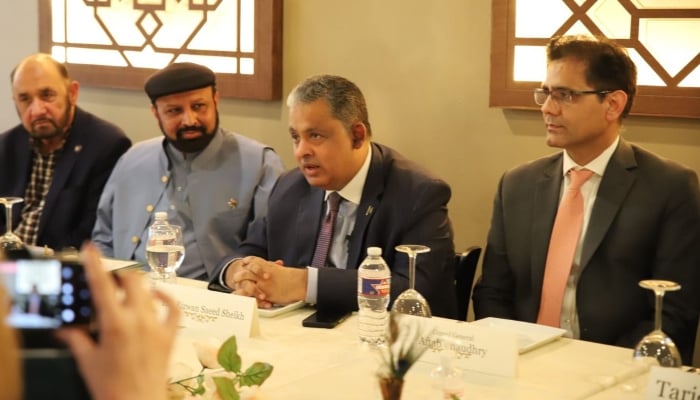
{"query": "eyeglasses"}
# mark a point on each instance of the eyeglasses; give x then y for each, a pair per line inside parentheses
(561, 95)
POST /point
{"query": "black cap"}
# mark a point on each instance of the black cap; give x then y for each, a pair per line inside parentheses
(178, 77)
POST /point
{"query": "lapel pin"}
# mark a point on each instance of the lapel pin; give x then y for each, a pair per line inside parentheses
(232, 203)
(77, 148)
(369, 211)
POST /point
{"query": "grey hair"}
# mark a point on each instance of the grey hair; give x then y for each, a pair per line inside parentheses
(345, 99)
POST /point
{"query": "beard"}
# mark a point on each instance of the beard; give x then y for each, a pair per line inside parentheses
(48, 128)
(194, 145)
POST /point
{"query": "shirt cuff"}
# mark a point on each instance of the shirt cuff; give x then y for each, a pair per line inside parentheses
(222, 274)
(311, 285)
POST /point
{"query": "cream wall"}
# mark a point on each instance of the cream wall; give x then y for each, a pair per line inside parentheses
(424, 69)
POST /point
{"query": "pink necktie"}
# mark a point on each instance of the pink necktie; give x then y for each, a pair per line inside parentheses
(562, 247)
(323, 243)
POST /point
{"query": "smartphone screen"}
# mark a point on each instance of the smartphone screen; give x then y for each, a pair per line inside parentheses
(46, 293)
(325, 319)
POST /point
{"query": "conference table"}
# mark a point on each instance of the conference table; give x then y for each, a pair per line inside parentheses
(314, 363)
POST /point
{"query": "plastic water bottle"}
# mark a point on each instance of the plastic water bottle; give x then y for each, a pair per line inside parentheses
(165, 250)
(373, 290)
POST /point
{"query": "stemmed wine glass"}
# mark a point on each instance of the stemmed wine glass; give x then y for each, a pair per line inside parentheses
(165, 253)
(10, 241)
(410, 301)
(657, 344)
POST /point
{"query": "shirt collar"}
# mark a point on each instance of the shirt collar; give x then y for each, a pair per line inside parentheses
(352, 192)
(597, 165)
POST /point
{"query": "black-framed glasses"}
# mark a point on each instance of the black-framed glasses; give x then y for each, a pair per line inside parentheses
(561, 95)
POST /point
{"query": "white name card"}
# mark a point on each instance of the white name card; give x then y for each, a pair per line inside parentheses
(672, 384)
(217, 314)
(471, 347)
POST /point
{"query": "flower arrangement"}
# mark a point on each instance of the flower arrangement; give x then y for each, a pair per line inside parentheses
(403, 348)
(220, 375)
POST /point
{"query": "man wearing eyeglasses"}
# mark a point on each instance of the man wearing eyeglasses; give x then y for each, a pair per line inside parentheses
(630, 215)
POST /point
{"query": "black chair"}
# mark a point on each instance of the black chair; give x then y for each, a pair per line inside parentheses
(465, 269)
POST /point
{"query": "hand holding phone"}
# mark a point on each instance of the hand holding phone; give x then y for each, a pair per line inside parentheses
(325, 319)
(46, 294)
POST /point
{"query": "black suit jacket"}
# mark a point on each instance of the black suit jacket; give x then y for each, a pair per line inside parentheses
(645, 224)
(81, 171)
(401, 203)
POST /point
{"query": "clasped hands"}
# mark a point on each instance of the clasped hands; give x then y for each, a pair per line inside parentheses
(270, 282)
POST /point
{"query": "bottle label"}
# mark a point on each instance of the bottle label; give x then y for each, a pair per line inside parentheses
(375, 287)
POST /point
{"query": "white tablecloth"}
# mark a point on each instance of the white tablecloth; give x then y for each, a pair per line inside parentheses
(313, 363)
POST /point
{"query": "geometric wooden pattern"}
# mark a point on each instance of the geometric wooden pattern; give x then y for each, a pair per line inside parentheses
(120, 43)
(663, 38)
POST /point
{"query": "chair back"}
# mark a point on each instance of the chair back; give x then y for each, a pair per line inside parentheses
(465, 269)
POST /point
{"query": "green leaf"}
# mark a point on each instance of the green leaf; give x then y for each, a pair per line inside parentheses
(256, 374)
(228, 355)
(226, 388)
(199, 390)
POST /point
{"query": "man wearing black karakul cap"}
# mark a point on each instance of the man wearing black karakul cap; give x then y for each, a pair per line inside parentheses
(210, 181)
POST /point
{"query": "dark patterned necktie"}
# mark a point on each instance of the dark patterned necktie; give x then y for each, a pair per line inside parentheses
(325, 235)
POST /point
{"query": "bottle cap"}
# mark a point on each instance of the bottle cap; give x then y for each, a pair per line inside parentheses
(161, 216)
(374, 251)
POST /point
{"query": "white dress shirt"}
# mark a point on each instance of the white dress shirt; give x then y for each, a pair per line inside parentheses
(344, 224)
(589, 191)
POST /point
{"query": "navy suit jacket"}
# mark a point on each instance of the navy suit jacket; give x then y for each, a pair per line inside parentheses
(81, 171)
(401, 204)
(645, 224)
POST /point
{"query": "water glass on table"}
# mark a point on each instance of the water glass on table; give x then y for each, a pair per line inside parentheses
(165, 251)
(9, 241)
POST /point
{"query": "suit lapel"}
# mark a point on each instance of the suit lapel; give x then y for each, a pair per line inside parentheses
(546, 203)
(24, 153)
(371, 197)
(62, 170)
(614, 186)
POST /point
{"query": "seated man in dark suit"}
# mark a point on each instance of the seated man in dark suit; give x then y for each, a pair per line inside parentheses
(639, 215)
(387, 200)
(58, 159)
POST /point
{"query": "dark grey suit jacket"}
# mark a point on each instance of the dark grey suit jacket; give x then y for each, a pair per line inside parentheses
(82, 168)
(401, 203)
(645, 224)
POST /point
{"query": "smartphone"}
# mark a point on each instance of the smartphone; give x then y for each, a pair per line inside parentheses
(325, 319)
(46, 294)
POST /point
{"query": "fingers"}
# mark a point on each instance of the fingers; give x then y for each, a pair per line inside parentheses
(172, 319)
(80, 344)
(258, 267)
(264, 304)
(102, 286)
(243, 275)
(246, 288)
(136, 294)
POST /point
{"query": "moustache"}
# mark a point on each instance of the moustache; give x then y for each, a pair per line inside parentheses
(42, 120)
(181, 131)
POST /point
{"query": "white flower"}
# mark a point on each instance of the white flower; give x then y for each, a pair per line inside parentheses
(207, 352)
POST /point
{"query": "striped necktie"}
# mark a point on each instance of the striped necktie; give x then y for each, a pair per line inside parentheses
(325, 235)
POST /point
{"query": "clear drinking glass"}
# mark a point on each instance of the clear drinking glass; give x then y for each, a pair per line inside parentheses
(446, 377)
(165, 253)
(410, 301)
(10, 241)
(657, 344)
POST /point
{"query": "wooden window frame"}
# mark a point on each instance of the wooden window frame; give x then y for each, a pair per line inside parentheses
(658, 101)
(264, 84)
